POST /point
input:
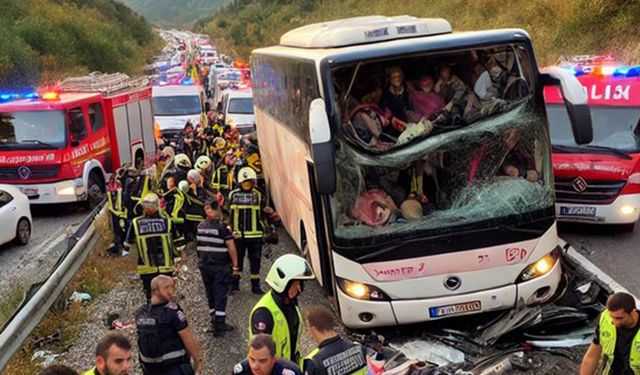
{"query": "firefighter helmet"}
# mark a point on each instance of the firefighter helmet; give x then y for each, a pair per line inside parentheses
(203, 163)
(287, 268)
(182, 160)
(246, 173)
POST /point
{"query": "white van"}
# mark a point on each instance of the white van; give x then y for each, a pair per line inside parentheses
(174, 105)
(237, 107)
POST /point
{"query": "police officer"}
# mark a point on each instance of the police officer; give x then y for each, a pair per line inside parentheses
(334, 355)
(165, 341)
(247, 208)
(113, 355)
(277, 312)
(118, 210)
(616, 345)
(217, 257)
(262, 359)
(152, 234)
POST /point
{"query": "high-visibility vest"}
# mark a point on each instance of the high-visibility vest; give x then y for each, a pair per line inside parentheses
(115, 205)
(222, 178)
(358, 371)
(194, 210)
(153, 230)
(178, 202)
(607, 341)
(281, 334)
(91, 372)
(242, 203)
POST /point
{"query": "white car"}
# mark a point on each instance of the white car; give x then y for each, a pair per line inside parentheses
(237, 107)
(15, 216)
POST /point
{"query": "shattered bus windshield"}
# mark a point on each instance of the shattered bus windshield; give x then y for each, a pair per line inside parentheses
(435, 143)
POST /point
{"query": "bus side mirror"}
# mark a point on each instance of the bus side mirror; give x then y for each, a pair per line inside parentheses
(575, 100)
(322, 148)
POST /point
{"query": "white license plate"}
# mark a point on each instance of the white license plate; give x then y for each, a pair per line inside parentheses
(458, 308)
(578, 211)
(29, 191)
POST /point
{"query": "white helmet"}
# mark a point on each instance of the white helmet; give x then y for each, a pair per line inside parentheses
(151, 200)
(182, 160)
(169, 151)
(193, 176)
(246, 173)
(287, 268)
(183, 186)
(203, 163)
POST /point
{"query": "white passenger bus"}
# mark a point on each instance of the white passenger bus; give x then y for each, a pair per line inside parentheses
(411, 165)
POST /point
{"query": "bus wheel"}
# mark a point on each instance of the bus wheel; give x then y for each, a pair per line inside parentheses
(95, 190)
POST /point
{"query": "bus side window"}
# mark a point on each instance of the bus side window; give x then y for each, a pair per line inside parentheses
(77, 126)
(95, 117)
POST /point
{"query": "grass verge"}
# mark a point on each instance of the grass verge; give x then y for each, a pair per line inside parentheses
(97, 275)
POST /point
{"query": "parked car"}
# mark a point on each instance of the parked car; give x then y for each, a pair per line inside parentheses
(15, 216)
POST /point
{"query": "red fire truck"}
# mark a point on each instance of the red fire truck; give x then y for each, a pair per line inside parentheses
(599, 182)
(61, 144)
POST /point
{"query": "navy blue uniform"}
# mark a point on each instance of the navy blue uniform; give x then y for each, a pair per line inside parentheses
(161, 349)
(215, 265)
(281, 367)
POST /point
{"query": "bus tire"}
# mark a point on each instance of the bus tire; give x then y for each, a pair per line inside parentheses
(95, 189)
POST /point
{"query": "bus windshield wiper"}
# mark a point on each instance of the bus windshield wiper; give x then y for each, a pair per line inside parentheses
(610, 150)
(38, 142)
(513, 228)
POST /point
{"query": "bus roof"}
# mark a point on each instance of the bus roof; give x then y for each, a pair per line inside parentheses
(363, 30)
(66, 100)
(337, 55)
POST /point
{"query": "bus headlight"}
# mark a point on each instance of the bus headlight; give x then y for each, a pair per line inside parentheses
(627, 210)
(361, 291)
(541, 267)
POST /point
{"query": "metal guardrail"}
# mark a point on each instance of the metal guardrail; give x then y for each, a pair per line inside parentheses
(39, 298)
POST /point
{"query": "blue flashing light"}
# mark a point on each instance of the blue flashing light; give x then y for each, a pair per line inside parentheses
(5, 96)
(633, 72)
(187, 82)
(621, 72)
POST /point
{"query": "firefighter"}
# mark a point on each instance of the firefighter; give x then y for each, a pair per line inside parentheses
(277, 312)
(118, 210)
(247, 207)
(194, 207)
(152, 234)
(182, 165)
(217, 260)
(166, 343)
(174, 201)
(334, 354)
(204, 166)
(223, 180)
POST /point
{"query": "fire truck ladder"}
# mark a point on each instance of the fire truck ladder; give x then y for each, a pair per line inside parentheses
(102, 82)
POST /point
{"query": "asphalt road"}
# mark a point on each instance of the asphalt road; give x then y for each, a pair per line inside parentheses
(24, 265)
(615, 252)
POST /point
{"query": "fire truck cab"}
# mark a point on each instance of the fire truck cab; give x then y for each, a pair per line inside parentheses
(61, 145)
(598, 182)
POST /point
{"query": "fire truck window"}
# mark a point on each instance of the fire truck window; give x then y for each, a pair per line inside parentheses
(95, 117)
(76, 124)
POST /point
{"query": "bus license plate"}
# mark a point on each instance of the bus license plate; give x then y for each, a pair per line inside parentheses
(458, 308)
(578, 211)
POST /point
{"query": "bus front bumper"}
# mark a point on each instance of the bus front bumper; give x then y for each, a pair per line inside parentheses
(358, 314)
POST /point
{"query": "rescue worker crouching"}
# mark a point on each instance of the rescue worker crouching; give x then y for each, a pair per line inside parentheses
(217, 259)
(165, 340)
(334, 355)
(247, 209)
(152, 234)
(262, 359)
(277, 312)
(616, 345)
